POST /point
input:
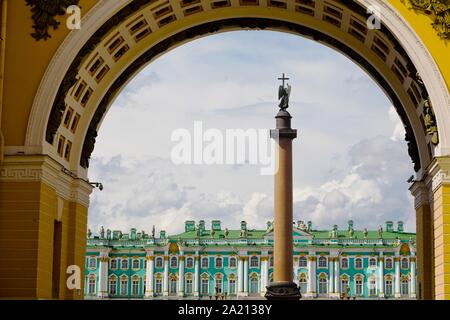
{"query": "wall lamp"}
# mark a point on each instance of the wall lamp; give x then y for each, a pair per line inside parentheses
(98, 185)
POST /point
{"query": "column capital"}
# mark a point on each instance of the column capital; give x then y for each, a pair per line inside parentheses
(397, 259)
(420, 192)
(312, 258)
(149, 258)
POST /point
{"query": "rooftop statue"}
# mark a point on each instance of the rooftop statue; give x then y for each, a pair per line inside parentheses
(102, 233)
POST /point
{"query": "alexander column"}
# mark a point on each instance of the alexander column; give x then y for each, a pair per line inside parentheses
(283, 286)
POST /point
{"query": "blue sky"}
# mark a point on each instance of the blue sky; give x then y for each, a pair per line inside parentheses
(350, 159)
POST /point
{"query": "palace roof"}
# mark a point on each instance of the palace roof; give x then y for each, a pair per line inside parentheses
(303, 234)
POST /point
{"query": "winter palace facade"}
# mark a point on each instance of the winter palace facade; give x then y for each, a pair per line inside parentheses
(201, 263)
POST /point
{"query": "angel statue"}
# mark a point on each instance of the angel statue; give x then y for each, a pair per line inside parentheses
(284, 93)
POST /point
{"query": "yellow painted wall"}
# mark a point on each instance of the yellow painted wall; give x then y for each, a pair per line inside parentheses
(27, 214)
(26, 62)
(19, 228)
(439, 49)
(442, 242)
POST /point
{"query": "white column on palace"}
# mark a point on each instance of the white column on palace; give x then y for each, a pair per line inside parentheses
(336, 275)
(397, 277)
(181, 274)
(331, 275)
(295, 270)
(149, 274)
(312, 274)
(240, 281)
(413, 277)
(264, 272)
(245, 275)
(166, 275)
(196, 275)
(381, 275)
(103, 275)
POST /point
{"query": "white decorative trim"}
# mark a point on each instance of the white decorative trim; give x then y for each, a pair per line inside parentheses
(438, 173)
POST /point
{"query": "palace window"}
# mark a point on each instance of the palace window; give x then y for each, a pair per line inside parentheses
(388, 263)
(91, 285)
(218, 285)
(173, 262)
(232, 286)
(344, 263)
(322, 262)
(124, 287)
(113, 263)
(344, 285)
(145, 263)
(323, 285)
(205, 262)
(271, 261)
(124, 263)
(173, 286)
(358, 286)
(159, 262)
(358, 263)
(372, 287)
(112, 287)
(405, 263)
(388, 287)
(158, 286)
(92, 263)
(232, 263)
(219, 263)
(135, 286)
(189, 263)
(188, 286)
(144, 286)
(254, 262)
(303, 283)
(404, 287)
(302, 262)
(205, 286)
(372, 263)
(135, 264)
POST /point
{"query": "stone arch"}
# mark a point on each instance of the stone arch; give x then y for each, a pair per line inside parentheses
(34, 163)
(163, 27)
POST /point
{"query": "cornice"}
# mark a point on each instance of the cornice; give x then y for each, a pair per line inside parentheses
(42, 168)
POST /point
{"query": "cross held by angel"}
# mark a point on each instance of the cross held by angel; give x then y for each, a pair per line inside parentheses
(284, 92)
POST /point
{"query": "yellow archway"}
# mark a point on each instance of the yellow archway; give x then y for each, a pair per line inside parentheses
(57, 91)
